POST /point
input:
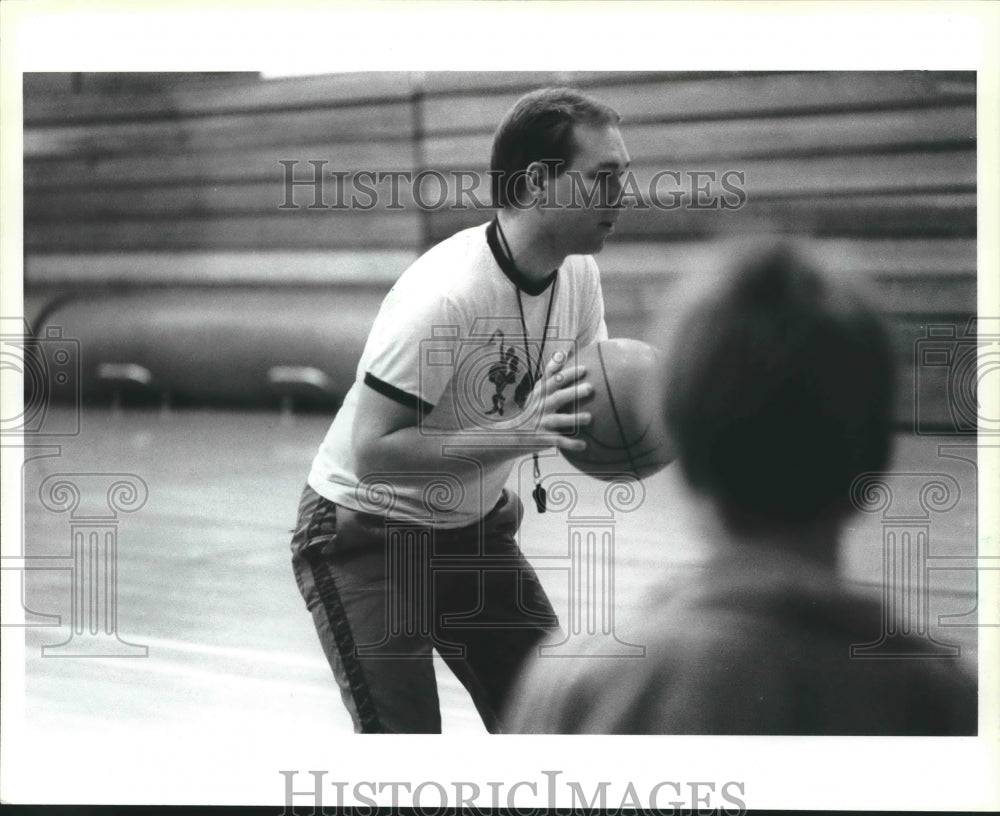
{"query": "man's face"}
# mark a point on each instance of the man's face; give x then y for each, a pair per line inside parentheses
(587, 192)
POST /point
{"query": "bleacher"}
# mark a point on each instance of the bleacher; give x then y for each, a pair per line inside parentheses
(155, 232)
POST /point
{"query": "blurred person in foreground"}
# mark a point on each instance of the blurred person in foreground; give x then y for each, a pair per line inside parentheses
(406, 537)
(778, 391)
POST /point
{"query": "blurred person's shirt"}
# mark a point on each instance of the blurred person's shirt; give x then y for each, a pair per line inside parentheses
(759, 644)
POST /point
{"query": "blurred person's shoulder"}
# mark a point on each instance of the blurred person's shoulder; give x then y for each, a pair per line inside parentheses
(727, 651)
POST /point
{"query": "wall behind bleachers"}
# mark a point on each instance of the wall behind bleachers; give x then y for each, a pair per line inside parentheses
(145, 181)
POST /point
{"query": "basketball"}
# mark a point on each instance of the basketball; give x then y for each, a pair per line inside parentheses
(627, 435)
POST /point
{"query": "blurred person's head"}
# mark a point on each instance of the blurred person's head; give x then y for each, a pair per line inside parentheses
(779, 392)
(559, 155)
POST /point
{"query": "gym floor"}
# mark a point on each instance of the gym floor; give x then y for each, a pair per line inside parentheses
(204, 582)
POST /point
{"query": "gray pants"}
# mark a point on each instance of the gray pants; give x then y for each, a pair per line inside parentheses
(384, 596)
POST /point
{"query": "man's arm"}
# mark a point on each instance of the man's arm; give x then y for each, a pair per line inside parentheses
(390, 437)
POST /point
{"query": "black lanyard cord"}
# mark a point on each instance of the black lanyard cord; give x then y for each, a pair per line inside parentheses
(520, 308)
(538, 494)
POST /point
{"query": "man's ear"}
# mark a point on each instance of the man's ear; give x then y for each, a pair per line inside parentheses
(537, 177)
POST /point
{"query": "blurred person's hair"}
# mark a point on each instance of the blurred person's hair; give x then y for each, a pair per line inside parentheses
(779, 391)
(539, 128)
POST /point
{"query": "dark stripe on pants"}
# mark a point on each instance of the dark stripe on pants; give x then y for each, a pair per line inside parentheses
(344, 638)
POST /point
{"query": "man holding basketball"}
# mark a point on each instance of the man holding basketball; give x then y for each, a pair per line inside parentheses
(406, 535)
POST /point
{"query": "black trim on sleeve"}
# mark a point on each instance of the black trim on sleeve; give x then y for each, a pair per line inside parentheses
(397, 394)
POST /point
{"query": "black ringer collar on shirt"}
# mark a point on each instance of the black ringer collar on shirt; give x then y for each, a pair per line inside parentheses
(515, 275)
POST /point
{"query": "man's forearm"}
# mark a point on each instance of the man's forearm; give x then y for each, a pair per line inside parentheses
(463, 454)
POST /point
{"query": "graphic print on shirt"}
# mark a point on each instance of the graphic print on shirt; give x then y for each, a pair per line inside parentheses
(490, 378)
(504, 372)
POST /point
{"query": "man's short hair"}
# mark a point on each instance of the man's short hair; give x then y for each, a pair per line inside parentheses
(781, 393)
(539, 128)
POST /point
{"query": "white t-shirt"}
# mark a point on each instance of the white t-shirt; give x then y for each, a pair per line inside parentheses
(450, 332)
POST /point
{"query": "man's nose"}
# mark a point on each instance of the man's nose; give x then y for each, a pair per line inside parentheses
(611, 189)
